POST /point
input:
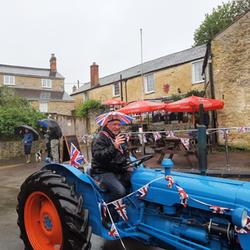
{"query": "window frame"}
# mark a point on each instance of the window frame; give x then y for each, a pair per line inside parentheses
(145, 80)
(46, 83)
(194, 80)
(41, 109)
(119, 88)
(9, 80)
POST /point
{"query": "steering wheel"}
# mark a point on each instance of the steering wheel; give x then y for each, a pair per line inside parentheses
(139, 161)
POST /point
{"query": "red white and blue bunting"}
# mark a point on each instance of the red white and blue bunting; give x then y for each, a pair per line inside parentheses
(142, 192)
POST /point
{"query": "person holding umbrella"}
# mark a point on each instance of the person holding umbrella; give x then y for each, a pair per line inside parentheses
(53, 134)
(110, 155)
(27, 143)
(29, 135)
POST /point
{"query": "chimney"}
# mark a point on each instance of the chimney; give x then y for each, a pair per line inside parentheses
(53, 64)
(94, 75)
(74, 88)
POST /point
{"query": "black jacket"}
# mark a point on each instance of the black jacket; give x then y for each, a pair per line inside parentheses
(105, 157)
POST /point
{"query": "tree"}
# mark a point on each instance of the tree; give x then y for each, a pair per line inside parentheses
(89, 106)
(15, 111)
(220, 18)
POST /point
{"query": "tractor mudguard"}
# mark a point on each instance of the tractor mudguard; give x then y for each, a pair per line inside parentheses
(51, 214)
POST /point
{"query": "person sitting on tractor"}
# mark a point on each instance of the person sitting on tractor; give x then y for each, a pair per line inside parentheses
(110, 159)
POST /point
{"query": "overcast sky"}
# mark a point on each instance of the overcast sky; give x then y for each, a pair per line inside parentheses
(107, 32)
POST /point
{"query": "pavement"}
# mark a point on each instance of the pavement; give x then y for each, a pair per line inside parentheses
(235, 164)
(14, 171)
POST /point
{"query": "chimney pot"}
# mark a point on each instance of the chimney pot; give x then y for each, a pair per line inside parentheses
(74, 88)
(94, 75)
(53, 68)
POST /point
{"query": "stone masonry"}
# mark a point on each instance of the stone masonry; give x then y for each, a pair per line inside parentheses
(231, 72)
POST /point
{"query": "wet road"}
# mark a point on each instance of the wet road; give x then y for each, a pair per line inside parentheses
(10, 181)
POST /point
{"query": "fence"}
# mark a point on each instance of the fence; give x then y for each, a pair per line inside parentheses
(227, 139)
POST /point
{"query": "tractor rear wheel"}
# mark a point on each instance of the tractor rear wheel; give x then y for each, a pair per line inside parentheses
(51, 215)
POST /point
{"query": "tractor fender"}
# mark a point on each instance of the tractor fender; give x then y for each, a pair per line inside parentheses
(90, 192)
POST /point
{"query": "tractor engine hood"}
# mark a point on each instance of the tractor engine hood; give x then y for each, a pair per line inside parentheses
(203, 191)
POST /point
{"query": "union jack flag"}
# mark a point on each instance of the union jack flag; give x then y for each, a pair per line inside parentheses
(157, 136)
(185, 142)
(183, 196)
(170, 180)
(76, 158)
(218, 209)
(113, 231)
(170, 134)
(121, 209)
(243, 129)
(143, 191)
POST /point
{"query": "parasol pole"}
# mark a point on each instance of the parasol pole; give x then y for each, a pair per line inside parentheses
(141, 64)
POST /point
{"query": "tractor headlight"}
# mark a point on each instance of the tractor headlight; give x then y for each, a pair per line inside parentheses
(239, 217)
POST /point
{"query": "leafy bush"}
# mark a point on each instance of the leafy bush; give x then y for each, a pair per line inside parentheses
(15, 111)
(89, 106)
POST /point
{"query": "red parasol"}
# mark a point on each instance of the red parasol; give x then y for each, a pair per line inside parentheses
(114, 102)
(142, 107)
(192, 103)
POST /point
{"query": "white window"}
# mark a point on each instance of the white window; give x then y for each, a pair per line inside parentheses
(196, 72)
(149, 83)
(116, 89)
(46, 83)
(43, 107)
(9, 80)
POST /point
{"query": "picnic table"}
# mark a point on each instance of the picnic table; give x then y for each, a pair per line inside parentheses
(175, 145)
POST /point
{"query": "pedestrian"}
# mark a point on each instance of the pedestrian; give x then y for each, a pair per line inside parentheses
(27, 142)
(54, 143)
(47, 144)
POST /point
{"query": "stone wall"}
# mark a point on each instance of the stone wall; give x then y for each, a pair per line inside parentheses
(178, 77)
(231, 72)
(70, 126)
(14, 149)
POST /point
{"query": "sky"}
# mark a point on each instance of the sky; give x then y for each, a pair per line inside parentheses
(107, 32)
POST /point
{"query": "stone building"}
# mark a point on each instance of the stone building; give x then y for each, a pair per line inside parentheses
(44, 88)
(228, 74)
(176, 73)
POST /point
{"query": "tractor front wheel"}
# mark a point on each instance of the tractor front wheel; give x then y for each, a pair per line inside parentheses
(51, 214)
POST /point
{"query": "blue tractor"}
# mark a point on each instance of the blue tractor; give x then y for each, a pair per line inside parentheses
(60, 206)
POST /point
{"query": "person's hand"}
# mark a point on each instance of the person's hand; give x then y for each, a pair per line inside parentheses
(120, 139)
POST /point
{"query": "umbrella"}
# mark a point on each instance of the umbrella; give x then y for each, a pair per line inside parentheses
(142, 107)
(114, 102)
(103, 119)
(50, 123)
(192, 103)
(21, 130)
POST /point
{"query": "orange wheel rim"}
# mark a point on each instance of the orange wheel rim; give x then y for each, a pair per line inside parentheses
(42, 222)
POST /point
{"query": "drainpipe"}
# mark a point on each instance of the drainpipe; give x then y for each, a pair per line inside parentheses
(212, 90)
(126, 92)
(121, 87)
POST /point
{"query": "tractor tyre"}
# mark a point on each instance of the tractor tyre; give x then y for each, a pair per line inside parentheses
(51, 214)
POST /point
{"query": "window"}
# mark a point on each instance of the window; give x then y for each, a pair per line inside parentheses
(9, 80)
(149, 83)
(116, 89)
(43, 107)
(196, 72)
(46, 83)
(45, 95)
